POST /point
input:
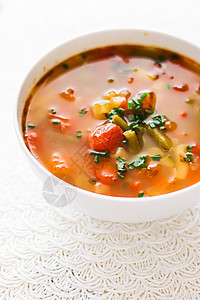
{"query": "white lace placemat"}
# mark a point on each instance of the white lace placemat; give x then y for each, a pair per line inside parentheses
(51, 253)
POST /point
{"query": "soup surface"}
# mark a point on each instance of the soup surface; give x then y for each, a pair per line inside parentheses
(121, 121)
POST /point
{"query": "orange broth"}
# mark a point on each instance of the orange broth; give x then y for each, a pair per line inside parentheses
(59, 121)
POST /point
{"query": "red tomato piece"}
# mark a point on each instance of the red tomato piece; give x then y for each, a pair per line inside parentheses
(106, 137)
(33, 139)
(149, 102)
(137, 187)
(59, 163)
(196, 149)
(183, 114)
(106, 172)
(181, 87)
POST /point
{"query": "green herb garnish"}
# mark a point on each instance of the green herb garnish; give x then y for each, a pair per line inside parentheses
(97, 154)
(83, 111)
(159, 60)
(134, 126)
(189, 147)
(79, 134)
(156, 157)
(140, 115)
(96, 159)
(115, 111)
(189, 156)
(121, 164)
(149, 112)
(136, 103)
(158, 121)
(124, 142)
(169, 86)
(55, 122)
(141, 195)
(31, 126)
(53, 111)
(121, 176)
(94, 180)
(140, 162)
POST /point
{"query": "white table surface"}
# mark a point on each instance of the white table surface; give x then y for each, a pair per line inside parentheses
(48, 253)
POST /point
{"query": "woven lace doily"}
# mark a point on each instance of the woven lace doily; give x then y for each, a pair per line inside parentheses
(53, 253)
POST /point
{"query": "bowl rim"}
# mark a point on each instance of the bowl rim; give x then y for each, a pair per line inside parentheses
(19, 134)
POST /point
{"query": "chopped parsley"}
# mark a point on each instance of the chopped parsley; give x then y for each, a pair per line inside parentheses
(31, 126)
(93, 180)
(83, 111)
(189, 147)
(53, 111)
(137, 103)
(149, 112)
(156, 157)
(135, 126)
(96, 159)
(159, 60)
(97, 154)
(121, 165)
(189, 156)
(79, 134)
(169, 86)
(124, 142)
(158, 121)
(115, 111)
(140, 115)
(121, 176)
(140, 162)
(55, 122)
(141, 194)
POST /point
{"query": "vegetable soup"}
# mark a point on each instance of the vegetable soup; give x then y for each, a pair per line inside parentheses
(119, 120)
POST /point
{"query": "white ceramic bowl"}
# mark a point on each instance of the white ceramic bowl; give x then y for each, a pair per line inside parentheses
(117, 209)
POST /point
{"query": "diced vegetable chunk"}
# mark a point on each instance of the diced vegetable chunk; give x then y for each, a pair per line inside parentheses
(120, 122)
(101, 108)
(106, 137)
(133, 143)
(159, 137)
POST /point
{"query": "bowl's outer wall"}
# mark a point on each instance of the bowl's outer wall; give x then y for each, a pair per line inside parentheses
(115, 209)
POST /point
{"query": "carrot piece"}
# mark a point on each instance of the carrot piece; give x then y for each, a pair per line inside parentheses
(34, 139)
(59, 163)
(106, 137)
(183, 114)
(106, 172)
(181, 87)
(149, 102)
(136, 186)
(68, 95)
(196, 149)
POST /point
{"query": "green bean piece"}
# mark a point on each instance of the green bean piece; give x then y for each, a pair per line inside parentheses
(159, 137)
(133, 143)
(120, 122)
(140, 134)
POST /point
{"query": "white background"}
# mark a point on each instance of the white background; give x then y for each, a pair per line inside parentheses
(28, 29)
